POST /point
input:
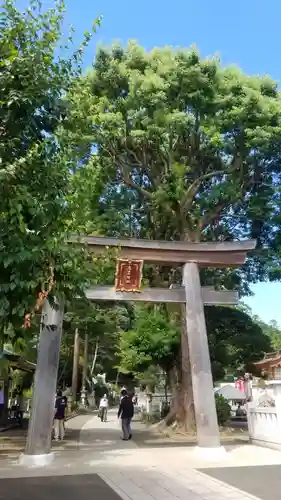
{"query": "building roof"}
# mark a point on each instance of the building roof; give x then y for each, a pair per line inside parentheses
(271, 359)
(231, 393)
(17, 362)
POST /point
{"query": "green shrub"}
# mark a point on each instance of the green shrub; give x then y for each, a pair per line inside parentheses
(223, 409)
(28, 393)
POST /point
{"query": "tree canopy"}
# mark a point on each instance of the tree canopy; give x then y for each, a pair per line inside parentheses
(36, 163)
(196, 143)
(235, 341)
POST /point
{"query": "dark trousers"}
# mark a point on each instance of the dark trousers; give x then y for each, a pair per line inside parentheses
(103, 414)
(126, 427)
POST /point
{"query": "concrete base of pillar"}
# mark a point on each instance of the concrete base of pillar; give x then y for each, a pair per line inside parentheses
(36, 460)
(211, 454)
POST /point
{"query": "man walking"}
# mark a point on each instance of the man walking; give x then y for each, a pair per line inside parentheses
(103, 408)
(60, 407)
(65, 411)
(126, 412)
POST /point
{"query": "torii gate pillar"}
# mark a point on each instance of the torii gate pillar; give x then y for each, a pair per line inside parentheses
(208, 435)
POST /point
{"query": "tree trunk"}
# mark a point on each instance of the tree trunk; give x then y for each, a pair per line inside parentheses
(95, 357)
(182, 406)
(172, 415)
(75, 365)
(4, 376)
(185, 413)
(85, 365)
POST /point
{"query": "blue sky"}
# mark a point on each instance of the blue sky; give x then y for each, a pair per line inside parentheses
(244, 32)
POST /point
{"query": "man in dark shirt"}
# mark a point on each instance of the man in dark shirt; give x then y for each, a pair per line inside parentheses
(126, 412)
(60, 407)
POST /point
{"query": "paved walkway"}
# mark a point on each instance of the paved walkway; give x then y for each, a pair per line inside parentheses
(12, 442)
(144, 469)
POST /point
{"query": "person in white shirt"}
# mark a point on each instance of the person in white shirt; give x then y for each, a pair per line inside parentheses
(103, 408)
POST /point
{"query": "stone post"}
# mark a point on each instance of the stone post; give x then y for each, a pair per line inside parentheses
(204, 401)
(38, 445)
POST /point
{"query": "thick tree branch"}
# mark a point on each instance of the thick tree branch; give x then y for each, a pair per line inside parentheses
(129, 182)
(194, 188)
(210, 216)
(127, 179)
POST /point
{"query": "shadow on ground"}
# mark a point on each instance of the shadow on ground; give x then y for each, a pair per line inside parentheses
(263, 481)
(57, 487)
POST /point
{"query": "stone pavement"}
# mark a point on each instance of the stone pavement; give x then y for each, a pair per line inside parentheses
(146, 470)
(12, 441)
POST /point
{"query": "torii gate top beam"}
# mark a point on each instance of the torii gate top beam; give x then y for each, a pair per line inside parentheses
(225, 254)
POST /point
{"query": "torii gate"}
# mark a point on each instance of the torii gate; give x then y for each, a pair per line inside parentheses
(132, 253)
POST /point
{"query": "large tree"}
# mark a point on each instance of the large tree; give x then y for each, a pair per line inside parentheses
(196, 145)
(194, 140)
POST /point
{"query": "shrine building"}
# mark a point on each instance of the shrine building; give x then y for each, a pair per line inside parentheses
(270, 366)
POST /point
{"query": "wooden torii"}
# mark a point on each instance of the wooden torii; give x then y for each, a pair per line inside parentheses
(132, 253)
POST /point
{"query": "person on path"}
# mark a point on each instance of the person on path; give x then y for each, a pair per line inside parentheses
(123, 391)
(20, 407)
(65, 413)
(60, 407)
(126, 412)
(103, 408)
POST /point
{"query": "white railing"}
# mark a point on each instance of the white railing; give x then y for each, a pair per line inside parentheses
(265, 425)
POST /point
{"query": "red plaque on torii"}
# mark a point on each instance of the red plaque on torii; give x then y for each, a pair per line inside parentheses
(128, 275)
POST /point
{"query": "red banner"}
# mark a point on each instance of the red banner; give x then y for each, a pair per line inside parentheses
(128, 275)
(240, 385)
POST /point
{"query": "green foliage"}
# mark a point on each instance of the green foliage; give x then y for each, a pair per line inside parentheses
(36, 161)
(235, 341)
(28, 393)
(103, 324)
(223, 409)
(153, 340)
(150, 378)
(197, 144)
(100, 388)
(273, 331)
